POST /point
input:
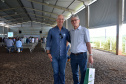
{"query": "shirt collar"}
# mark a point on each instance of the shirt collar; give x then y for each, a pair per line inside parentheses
(77, 28)
(58, 27)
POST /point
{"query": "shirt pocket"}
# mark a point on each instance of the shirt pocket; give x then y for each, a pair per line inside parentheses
(64, 35)
(80, 37)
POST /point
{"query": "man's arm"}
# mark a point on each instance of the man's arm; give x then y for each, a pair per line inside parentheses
(90, 52)
(68, 37)
(48, 45)
(12, 42)
(48, 51)
(49, 55)
(48, 42)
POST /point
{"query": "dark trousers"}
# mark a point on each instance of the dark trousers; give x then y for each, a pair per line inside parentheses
(77, 61)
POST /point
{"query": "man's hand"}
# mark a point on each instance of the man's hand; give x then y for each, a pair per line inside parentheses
(50, 57)
(90, 59)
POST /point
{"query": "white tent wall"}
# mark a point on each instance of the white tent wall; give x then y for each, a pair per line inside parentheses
(1, 31)
(30, 29)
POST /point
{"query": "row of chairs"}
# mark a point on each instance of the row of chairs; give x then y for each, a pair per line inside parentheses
(30, 46)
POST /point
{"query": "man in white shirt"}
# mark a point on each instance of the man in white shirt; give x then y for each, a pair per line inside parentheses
(33, 39)
(80, 44)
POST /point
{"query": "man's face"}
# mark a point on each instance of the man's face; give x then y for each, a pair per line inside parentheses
(75, 21)
(60, 20)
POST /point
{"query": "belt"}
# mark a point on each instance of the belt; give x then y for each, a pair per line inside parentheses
(77, 53)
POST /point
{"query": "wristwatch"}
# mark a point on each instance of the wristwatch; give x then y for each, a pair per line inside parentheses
(91, 54)
(48, 53)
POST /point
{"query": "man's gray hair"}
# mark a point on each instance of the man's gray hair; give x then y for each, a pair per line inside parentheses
(75, 15)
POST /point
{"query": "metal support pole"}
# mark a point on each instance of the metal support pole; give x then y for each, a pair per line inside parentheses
(119, 27)
(3, 34)
(87, 16)
(66, 23)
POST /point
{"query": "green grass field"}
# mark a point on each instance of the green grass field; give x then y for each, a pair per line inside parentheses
(105, 43)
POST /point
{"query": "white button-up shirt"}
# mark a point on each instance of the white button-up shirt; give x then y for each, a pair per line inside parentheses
(79, 37)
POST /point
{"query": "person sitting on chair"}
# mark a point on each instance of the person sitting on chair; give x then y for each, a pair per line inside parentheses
(10, 45)
(19, 45)
(28, 40)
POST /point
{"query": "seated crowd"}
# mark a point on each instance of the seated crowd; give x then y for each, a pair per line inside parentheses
(16, 43)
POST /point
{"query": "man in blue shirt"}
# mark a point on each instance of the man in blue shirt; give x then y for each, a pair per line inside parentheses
(19, 45)
(80, 44)
(10, 44)
(56, 49)
(27, 40)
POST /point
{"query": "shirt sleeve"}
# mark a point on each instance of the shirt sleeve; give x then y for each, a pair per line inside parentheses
(21, 43)
(12, 42)
(48, 41)
(87, 37)
(68, 47)
(68, 37)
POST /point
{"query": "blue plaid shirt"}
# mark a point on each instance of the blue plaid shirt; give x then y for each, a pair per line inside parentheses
(56, 41)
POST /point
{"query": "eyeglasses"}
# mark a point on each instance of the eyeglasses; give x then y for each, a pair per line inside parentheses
(61, 36)
(61, 19)
(74, 20)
